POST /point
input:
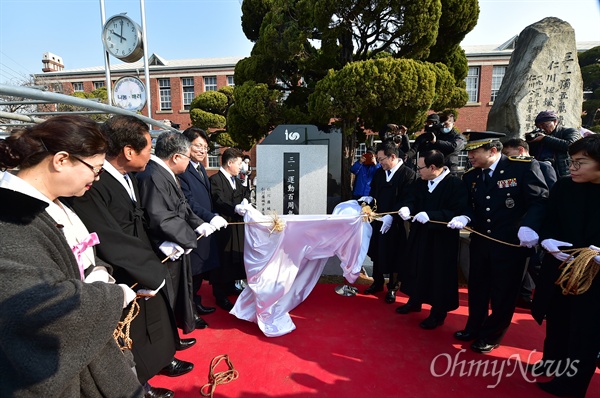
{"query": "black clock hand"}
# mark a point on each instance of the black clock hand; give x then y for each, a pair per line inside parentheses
(118, 35)
(121, 36)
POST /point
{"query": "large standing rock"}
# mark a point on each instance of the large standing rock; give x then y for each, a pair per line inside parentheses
(543, 73)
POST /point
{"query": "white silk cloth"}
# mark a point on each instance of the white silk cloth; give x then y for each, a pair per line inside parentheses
(283, 267)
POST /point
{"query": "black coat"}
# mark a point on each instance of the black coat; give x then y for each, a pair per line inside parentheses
(515, 196)
(555, 148)
(431, 272)
(108, 210)
(386, 248)
(196, 189)
(230, 240)
(170, 218)
(450, 144)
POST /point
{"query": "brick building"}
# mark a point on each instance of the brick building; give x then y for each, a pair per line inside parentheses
(174, 83)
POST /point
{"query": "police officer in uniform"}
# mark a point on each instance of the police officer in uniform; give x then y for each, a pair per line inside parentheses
(507, 201)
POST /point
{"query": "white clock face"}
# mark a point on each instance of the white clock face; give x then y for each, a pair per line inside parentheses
(122, 38)
(129, 93)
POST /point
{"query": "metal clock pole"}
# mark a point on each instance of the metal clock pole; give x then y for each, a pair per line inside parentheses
(106, 57)
(146, 67)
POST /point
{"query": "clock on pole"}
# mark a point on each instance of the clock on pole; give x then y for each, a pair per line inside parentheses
(122, 38)
(129, 93)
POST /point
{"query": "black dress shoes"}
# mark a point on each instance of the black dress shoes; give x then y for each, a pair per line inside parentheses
(408, 307)
(225, 304)
(200, 323)
(431, 322)
(374, 289)
(176, 368)
(155, 392)
(390, 297)
(465, 335)
(482, 347)
(202, 310)
(184, 344)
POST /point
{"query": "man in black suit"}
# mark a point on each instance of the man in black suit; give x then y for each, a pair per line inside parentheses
(389, 186)
(507, 202)
(431, 273)
(112, 209)
(196, 188)
(229, 198)
(173, 226)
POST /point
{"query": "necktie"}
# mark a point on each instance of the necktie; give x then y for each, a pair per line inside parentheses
(389, 173)
(200, 172)
(233, 181)
(485, 176)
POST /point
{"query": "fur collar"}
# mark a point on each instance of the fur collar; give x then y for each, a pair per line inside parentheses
(18, 208)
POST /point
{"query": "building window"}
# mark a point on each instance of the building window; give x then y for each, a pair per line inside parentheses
(78, 87)
(497, 76)
(230, 81)
(361, 150)
(473, 83)
(165, 94)
(99, 84)
(187, 83)
(210, 83)
(214, 157)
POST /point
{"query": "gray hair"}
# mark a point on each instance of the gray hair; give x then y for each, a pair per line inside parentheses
(169, 143)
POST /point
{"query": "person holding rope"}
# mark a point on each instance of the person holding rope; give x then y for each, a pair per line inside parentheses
(507, 203)
(173, 226)
(389, 186)
(112, 208)
(572, 315)
(431, 274)
(59, 306)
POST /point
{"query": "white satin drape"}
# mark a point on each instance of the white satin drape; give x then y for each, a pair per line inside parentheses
(283, 267)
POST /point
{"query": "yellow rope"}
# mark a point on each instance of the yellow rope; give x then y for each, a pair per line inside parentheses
(577, 275)
(121, 333)
(214, 379)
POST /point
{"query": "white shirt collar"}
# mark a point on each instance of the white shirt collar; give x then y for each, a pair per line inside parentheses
(110, 169)
(434, 183)
(388, 176)
(228, 176)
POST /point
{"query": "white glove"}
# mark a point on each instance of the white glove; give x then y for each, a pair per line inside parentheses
(218, 222)
(528, 237)
(128, 294)
(551, 246)
(366, 199)
(240, 209)
(205, 229)
(596, 258)
(458, 222)
(421, 217)
(387, 223)
(171, 249)
(404, 213)
(148, 292)
(99, 274)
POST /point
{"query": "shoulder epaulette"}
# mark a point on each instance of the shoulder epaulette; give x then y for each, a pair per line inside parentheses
(521, 158)
(471, 169)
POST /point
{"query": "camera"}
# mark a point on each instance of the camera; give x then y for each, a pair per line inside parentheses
(533, 134)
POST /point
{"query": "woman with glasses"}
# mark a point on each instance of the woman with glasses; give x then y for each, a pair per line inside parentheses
(57, 314)
(572, 321)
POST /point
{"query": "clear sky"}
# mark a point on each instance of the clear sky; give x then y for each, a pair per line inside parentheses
(178, 29)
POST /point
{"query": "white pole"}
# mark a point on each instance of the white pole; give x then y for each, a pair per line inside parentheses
(106, 56)
(146, 68)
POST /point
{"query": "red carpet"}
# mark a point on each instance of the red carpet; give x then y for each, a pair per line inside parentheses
(358, 347)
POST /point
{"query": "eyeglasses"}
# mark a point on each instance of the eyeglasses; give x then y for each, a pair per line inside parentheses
(575, 164)
(183, 154)
(96, 171)
(200, 148)
(419, 168)
(382, 159)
